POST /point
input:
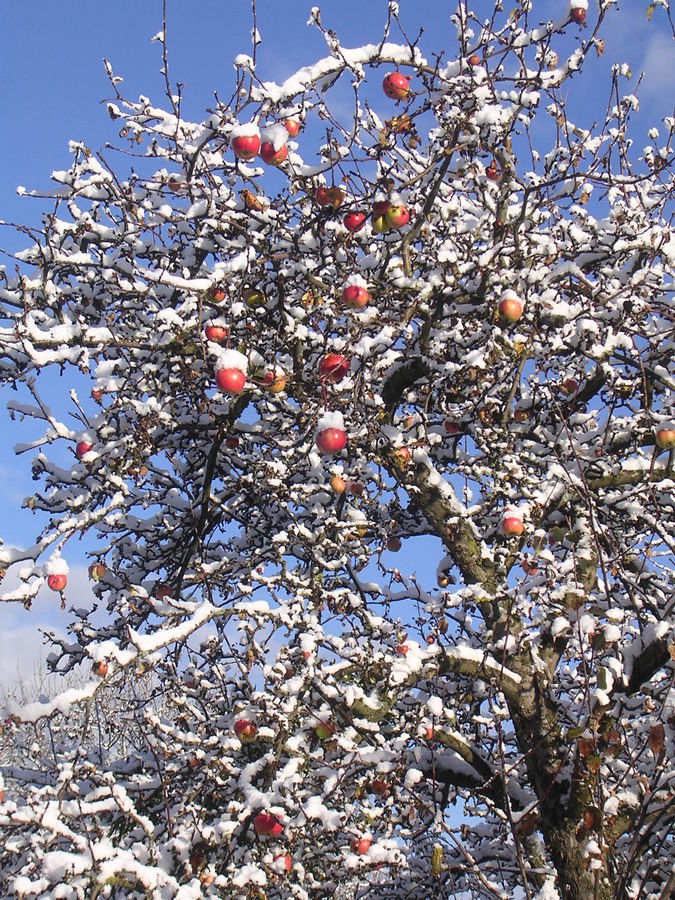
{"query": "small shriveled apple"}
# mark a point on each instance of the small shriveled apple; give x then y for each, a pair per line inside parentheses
(329, 197)
(274, 383)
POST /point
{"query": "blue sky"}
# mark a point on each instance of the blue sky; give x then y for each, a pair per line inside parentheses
(52, 82)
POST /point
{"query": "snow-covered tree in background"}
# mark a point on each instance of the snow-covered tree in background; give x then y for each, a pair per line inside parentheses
(308, 339)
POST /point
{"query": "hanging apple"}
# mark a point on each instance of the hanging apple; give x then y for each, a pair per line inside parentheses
(339, 485)
(324, 731)
(665, 438)
(274, 383)
(82, 447)
(217, 334)
(283, 861)
(330, 433)
(510, 307)
(57, 581)
(272, 157)
(245, 730)
(354, 221)
(246, 146)
(330, 197)
(361, 845)
(253, 298)
(333, 367)
(396, 86)
(512, 523)
(492, 172)
(578, 11)
(268, 825)
(569, 387)
(474, 60)
(230, 381)
(97, 571)
(96, 394)
(397, 215)
(216, 294)
(355, 296)
(292, 126)
(379, 787)
(100, 668)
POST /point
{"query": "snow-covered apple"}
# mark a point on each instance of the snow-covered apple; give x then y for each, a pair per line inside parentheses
(100, 668)
(267, 825)
(271, 156)
(331, 440)
(510, 308)
(283, 861)
(57, 581)
(396, 86)
(217, 334)
(578, 15)
(492, 172)
(82, 447)
(333, 367)
(246, 146)
(230, 381)
(511, 524)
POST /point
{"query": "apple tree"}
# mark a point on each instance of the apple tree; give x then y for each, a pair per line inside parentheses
(369, 430)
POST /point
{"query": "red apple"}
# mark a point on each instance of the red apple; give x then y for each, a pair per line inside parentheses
(474, 60)
(245, 146)
(569, 387)
(510, 309)
(429, 733)
(451, 427)
(216, 294)
(397, 215)
(57, 582)
(396, 86)
(267, 824)
(292, 126)
(379, 787)
(324, 731)
(361, 845)
(100, 669)
(81, 448)
(97, 571)
(331, 440)
(331, 197)
(578, 15)
(492, 172)
(232, 442)
(245, 730)
(216, 333)
(230, 381)
(665, 438)
(529, 566)
(333, 367)
(163, 592)
(273, 157)
(274, 383)
(96, 394)
(354, 221)
(339, 485)
(356, 488)
(512, 525)
(355, 296)
(285, 860)
(402, 649)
